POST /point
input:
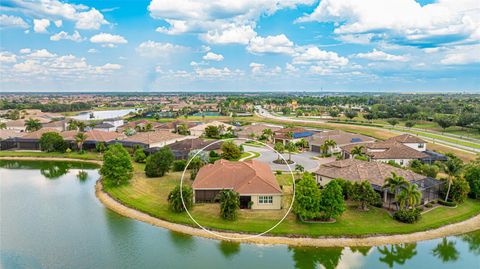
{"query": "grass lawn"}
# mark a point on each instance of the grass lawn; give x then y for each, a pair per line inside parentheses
(74, 155)
(444, 138)
(149, 195)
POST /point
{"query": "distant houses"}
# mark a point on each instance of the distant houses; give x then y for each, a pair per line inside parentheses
(256, 130)
(341, 139)
(182, 149)
(253, 180)
(199, 130)
(151, 139)
(294, 135)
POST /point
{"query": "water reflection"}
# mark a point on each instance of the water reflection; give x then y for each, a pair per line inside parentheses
(185, 243)
(229, 249)
(446, 251)
(473, 241)
(54, 171)
(310, 258)
(397, 253)
(363, 250)
(82, 175)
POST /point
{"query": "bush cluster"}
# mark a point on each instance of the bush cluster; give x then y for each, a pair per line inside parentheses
(407, 215)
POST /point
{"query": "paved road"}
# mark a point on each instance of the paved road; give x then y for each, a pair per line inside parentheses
(303, 158)
(264, 113)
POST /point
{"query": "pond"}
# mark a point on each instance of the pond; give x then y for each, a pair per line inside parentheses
(103, 114)
(50, 218)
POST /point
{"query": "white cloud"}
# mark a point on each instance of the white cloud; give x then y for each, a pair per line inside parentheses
(461, 55)
(210, 56)
(213, 72)
(42, 53)
(7, 57)
(290, 68)
(65, 36)
(314, 55)
(377, 55)
(25, 51)
(92, 51)
(271, 44)
(58, 23)
(7, 21)
(402, 21)
(108, 38)
(230, 34)
(83, 16)
(256, 67)
(40, 26)
(156, 49)
(106, 68)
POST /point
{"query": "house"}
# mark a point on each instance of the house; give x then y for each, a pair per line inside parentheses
(181, 149)
(411, 141)
(341, 139)
(256, 130)
(253, 180)
(106, 127)
(200, 129)
(173, 125)
(151, 139)
(95, 136)
(31, 141)
(16, 125)
(117, 122)
(7, 138)
(385, 152)
(59, 125)
(376, 173)
(294, 135)
(140, 125)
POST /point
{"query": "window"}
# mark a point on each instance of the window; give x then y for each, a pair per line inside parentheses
(420, 146)
(265, 199)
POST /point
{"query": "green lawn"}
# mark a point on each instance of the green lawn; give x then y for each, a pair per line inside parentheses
(149, 195)
(74, 155)
(444, 138)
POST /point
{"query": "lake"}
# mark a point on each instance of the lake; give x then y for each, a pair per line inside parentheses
(103, 114)
(50, 218)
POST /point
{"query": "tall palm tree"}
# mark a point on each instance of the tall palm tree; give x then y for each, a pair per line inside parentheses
(409, 196)
(268, 134)
(32, 125)
(80, 138)
(452, 167)
(330, 143)
(81, 126)
(290, 147)
(357, 150)
(393, 183)
(323, 148)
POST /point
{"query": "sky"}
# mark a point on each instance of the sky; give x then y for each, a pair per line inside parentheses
(244, 45)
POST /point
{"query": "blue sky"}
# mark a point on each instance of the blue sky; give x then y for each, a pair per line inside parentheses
(249, 45)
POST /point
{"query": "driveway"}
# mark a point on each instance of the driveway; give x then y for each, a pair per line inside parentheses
(303, 158)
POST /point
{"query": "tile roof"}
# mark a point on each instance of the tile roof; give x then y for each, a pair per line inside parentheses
(247, 177)
(102, 136)
(193, 144)
(202, 127)
(152, 137)
(387, 150)
(340, 137)
(406, 138)
(357, 170)
(257, 129)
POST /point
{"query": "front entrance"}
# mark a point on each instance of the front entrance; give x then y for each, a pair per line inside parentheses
(244, 201)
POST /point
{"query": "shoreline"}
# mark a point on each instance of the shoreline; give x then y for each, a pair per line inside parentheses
(462, 227)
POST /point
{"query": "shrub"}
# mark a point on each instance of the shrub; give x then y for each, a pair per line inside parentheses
(52, 142)
(428, 205)
(472, 175)
(278, 172)
(229, 204)
(407, 216)
(458, 191)
(159, 163)
(331, 201)
(361, 158)
(364, 194)
(179, 165)
(230, 151)
(175, 199)
(100, 147)
(447, 203)
(139, 155)
(307, 198)
(117, 166)
(347, 187)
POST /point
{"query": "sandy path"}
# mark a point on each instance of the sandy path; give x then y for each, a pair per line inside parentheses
(452, 229)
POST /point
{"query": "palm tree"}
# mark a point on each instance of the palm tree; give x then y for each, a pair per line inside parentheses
(409, 196)
(279, 147)
(392, 183)
(329, 143)
(81, 126)
(290, 147)
(268, 133)
(357, 151)
(80, 138)
(32, 125)
(323, 148)
(148, 127)
(299, 168)
(452, 167)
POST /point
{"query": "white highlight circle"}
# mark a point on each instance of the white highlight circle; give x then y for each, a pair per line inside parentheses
(244, 237)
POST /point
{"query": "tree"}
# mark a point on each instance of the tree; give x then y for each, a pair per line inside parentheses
(350, 114)
(268, 133)
(446, 251)
(117, 166)
(307, 198)
(364, 194)
(230, 151)
(452, 167)
(80, 138)
(392, 122)
(410, 124)
(333, 113)
(472, 176)
(280, 148)
(290, 147)
(286, 111)
(212, 131)
(357, 150)
(409, 196)
(159, 163)
(369, 116)
(51, 142)
(101, 147)
(182, 129)
(229, 204)
(195, 164)
(444, 120)
(139, 155)
(175, 198)
(459, 190)
(3, 125)
(393, 183)
(32, 125)
(329, 144)
(148, 127)
(299, 168)
(331, 201)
